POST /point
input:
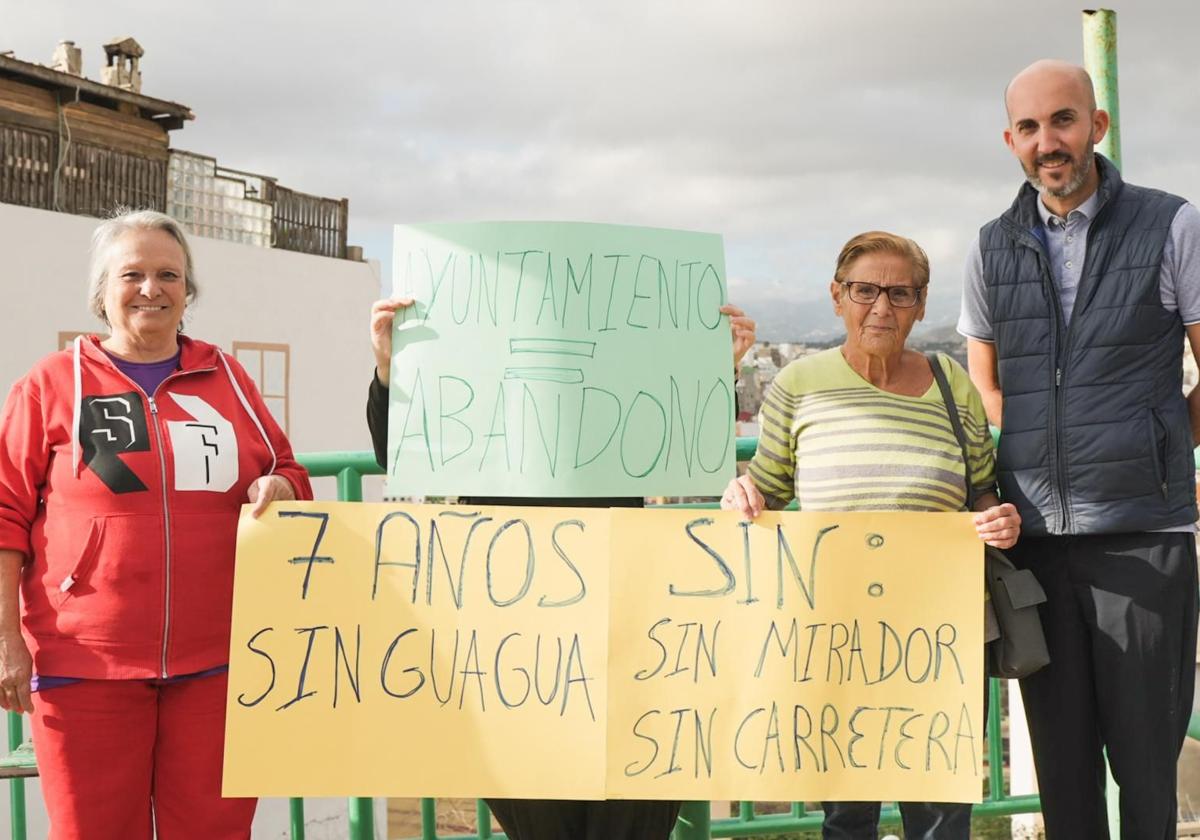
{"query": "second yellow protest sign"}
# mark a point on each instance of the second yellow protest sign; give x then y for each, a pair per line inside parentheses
(801, 656)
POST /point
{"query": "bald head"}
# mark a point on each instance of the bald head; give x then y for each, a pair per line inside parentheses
(1053, 128)
(1051, 75)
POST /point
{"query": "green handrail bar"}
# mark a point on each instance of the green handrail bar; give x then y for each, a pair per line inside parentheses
(429, 818)
(16, 787)
(296, 818)
(995, 745)
(695, 821)
(483, 819)
(361, 811)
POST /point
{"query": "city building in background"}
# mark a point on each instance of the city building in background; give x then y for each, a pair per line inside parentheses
(75, 145)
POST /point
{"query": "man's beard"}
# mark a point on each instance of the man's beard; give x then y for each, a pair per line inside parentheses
(1080, 170)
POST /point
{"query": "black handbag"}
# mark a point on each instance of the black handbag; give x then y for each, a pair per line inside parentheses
(1015, 645)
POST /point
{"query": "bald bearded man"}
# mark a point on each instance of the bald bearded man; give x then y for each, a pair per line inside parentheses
(1075, 307)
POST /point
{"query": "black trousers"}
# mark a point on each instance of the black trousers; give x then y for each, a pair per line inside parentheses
(561, 819)
(1120, 623)
(921, 820)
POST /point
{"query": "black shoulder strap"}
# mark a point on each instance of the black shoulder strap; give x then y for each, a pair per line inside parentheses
(939, 376)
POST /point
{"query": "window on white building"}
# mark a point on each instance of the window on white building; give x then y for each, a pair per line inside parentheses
(268, 366)
(67, 337)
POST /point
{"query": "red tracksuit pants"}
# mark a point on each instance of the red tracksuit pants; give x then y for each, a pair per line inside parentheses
(120, 758)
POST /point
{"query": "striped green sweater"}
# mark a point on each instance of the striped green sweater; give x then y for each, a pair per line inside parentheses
(835, 442)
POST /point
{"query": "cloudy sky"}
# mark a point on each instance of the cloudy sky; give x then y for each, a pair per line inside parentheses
(785, 125)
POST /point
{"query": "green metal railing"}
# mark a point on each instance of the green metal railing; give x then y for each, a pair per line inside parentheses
(16, 786)
(695, 821)
(348, 468)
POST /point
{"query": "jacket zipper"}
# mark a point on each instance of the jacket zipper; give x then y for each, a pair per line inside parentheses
(1059, 355)
(1057, 462)
(1060, 398)
(166, 509)
(162, 467)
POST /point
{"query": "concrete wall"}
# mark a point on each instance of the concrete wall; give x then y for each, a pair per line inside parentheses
(317, 306)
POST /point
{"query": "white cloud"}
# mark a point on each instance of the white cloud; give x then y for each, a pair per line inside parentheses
(786, 125)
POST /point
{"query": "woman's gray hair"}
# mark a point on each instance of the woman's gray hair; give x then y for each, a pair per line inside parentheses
(110, 230)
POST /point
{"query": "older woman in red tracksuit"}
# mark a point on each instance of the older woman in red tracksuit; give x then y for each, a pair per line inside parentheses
(124, 462)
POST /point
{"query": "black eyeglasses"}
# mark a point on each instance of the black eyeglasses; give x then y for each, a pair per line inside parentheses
(902, 297)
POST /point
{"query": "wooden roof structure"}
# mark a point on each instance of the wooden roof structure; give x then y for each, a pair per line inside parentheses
(168, 115)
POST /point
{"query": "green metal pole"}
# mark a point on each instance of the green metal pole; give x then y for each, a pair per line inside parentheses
(362, 819)
(16, 787)
(694, 823)
(995, 745)
(428, 819)
(483, 819)
(296, 813)
(1100, 60)
(349, 482)
(362, 810)
(1112, 799)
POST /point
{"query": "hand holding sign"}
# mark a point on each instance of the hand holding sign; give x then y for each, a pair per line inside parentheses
(744, 334)
(383, 313)
(266, 489)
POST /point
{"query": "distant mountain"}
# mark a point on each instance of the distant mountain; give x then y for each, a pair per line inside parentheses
(813, 322)
(943, 333)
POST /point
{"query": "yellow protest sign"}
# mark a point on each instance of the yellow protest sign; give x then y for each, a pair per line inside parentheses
(403, 650)
(802, 656)
(419, 650)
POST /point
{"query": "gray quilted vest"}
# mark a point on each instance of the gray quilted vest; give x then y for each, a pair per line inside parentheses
(1095, 435)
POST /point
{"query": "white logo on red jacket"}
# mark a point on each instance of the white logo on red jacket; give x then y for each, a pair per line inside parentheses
(109, 428)
(206, 448)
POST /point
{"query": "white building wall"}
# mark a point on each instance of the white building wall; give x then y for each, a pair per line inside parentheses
(317, 306)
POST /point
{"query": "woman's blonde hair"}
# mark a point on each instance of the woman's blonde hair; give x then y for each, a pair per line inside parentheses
(882, 242)
(110, 230)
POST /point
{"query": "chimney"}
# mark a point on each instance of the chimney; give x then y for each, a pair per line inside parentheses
(121, 64)
(67, 58)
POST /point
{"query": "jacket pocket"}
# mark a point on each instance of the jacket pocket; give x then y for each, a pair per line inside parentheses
(113, 594)
(83, 564)
(1160, 447)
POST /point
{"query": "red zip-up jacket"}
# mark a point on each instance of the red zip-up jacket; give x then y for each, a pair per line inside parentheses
(126, 506)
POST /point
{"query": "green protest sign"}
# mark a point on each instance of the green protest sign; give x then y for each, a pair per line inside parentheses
(559, 359)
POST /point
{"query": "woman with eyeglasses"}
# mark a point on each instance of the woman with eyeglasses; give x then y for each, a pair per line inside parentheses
(863, 427)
